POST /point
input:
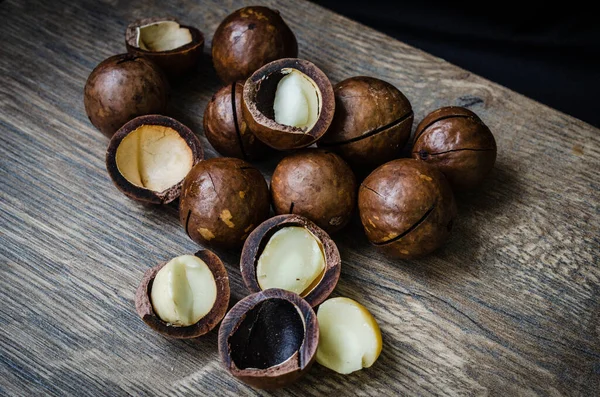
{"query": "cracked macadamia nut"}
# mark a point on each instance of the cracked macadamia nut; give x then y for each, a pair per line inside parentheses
(175, 48)
(371, 125)
(292, 253)
(222, 201)
(407, 208)
(248, 39)
(349, 337)
(316, 184)
(121, 88)
(269, 339)
(185, 297)
(458, 143)
(288, 103)
(225, 128)
(149, 157)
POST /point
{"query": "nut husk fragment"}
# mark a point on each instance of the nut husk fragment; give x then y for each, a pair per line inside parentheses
(225, 128)
(259, 98)
(223, 199)
(372, 122)
(248, 39)
(269, 339)
(407, 208)
(143, 304)
(173, 134)
(258, 239)
(316, 184)
(174, 62)
(458, 143)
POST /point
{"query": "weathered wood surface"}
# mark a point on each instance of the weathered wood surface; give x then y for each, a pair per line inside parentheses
(510, 306)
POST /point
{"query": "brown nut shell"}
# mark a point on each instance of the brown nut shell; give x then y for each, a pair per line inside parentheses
(176, 62)
(372, 122)
(121, 88)
(458, 143)
(223, 199)
(258, 99)
(143, 304)
(248, 39)
(179, 134)
(283, 346)
(407, 208)
(316, 184)
(225, 128)
(258, 239)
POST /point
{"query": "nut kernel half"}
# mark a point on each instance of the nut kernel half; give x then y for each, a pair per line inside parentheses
(162, 36)
(293, 260)
(183, 291)
(297, 100)
(154, 157)
(350, 338)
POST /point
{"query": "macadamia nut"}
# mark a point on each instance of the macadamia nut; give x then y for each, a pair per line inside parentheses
(183, 291)
(293, 260)
(350, 338)
(297, 100)
(154, 157)
(162, 36)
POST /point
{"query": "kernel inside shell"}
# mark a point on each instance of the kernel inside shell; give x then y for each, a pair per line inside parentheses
(162, 36)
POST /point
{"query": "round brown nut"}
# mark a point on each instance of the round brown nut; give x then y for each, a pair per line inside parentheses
(149, 157)
(407, 208)
(288, 103)
(222, 201)
(458, 143)
(203, 276)
(175, 48)
(371, 125)
(249, 38)
(316, 184)
(292, 253)
(225, 128)
(269, 339)
(121, 88)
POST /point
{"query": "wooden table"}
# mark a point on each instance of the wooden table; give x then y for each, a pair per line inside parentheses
(510, 306)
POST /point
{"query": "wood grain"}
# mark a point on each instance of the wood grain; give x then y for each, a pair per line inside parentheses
(510, 306)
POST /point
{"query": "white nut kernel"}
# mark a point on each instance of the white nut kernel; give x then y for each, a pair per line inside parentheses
(349, 337)
(292, 259)
(183, 291)
(162, 36)
(297, 100)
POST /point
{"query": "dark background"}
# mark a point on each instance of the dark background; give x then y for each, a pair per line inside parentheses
(548, 53)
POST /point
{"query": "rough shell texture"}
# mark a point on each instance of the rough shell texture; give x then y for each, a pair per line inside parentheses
(121, 88)
(316, 184)
(175, 63)
(407, 208)
(143, 304)
(226, 129)
(372, 122)
(222, 201)
(258, 239)
(282, 374)
(458, 143)
(258, 97)
(139, 193)
(248, 39)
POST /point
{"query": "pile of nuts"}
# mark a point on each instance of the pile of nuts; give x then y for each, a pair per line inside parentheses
(289, 263)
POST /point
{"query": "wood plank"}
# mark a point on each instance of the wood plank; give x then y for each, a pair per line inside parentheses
(508, 307)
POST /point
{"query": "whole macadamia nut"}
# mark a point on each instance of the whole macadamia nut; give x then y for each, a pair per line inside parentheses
(249, 38)
(226, 129)
(222, 201)
(458, 143)
(371, 125)
(121, 88)
(316, 184)
(407, 208)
